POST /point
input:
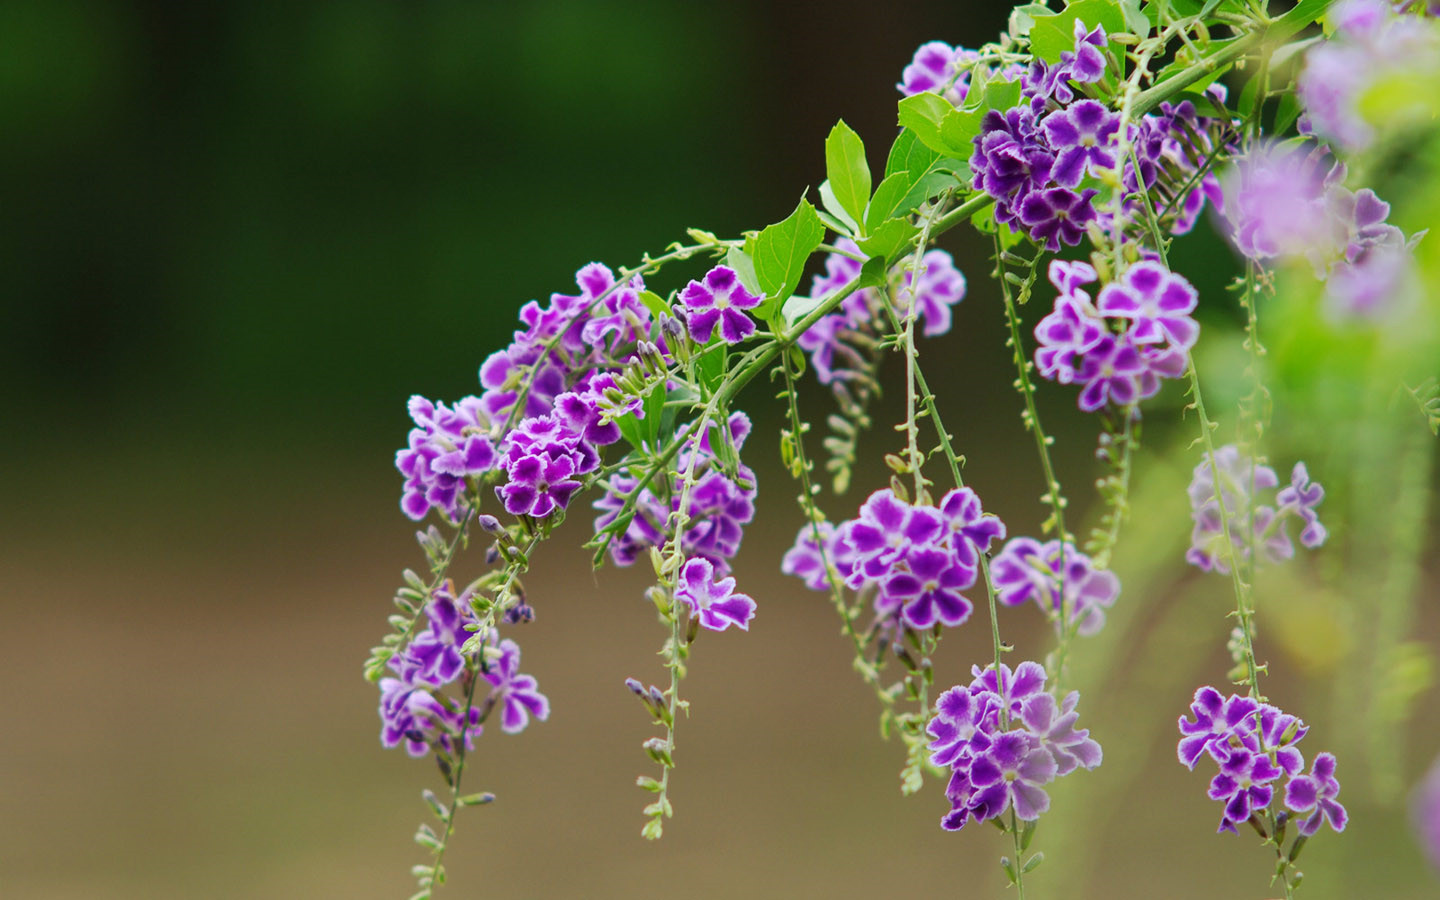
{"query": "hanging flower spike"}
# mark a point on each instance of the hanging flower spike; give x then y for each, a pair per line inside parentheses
(519, 695)
(718, 300)
(1084, 135)
(715, 602)
(1157, 301)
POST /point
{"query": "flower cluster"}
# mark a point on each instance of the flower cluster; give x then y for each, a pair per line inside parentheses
(1292, 204)
(1004, 737)
(1062, 581)
(1373, 47)
(916, 560)
(940, 69)
(1136, 332)
(413, 708)
(1253, 746)
(834, 341)
(720, 503)
(1251, 524)
(1036, 158)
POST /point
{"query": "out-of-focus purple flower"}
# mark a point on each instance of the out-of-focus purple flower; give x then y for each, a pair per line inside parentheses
(1057, 216)
(1053, 725)
(941, 287)
(1157, 302)
(716, 603)
(719, 299)
(1243, 785)
(1425, 812)
(1111, 373)
(1084, 136)
(806, 560)
(1086, 64)
(1287, 203)
(412, 714)
(1249, 521)
(934, 69)
(1027, 570)
(1315, 794)
(519, 695)
(1382, 284)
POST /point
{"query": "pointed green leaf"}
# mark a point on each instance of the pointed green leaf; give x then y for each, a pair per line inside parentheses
(887, 197)
(922, 114)
(847, 170)
(888, 239)
(780, 252)
(833, 214)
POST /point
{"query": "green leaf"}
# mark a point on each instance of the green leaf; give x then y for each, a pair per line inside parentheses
(1052, 35)
(1287, 113)
(834, 215)
(1022, 18)
(1000, 95)
(655, 303)
(887, 197)
(780, 252)
(888, 239)
(847, 170)
(927, 171)
(629, 425)
(922, 114)
(1306, 12)
(710, 365)
(1135, 20)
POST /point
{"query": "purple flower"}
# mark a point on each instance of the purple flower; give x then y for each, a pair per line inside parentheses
(887, 526)
(1057, 216)
(963, 724)
(433, 658)
(518, 694)
(1157, 301)
(1013, 688)
(412, 714)
(927, 588)
(1086, 64)
(1027, 570)
(1300, 499)
(1243, 785)
(715, 602)
(806, 560)
(933, 69)
(1011, 158)
(1111, 372)
(1011, 771)
(1288, 203)
(538, 486)
(719, 298)
(618, 319)
(1084, 135)
(1220, 723)
(1249, 521)
(1065, 336)
(1315, 793)
(1053, 725)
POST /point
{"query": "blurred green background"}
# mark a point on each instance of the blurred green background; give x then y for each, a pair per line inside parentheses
(236, 237)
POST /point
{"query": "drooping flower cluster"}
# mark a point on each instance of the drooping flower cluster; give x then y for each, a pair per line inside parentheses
(1037, 158)
(1004, 737)
(720, 503)
(1374, 47)
(1071, 591)
(446, 446)
(835, 341)
(1253, 746)
(915, 560)
(413, 707)
(1251, 523)
(1291, 204)
(1136, 332)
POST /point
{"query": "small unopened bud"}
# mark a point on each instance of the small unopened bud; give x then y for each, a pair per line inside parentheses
(492, 554)
(489, 524)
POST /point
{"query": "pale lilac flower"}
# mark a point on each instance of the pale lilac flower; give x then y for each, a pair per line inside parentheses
(1300, 498)
(1250, 522)
(1053, 725)
(719, 299)
(934, 69)
(1027, 570)
(716, 603)
(518, 694)
(806, 560)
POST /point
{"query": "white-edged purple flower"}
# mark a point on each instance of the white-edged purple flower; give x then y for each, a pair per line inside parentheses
(1220, 722)
(1013, 688)
(716, 603)
(447, 446)
(1111, 373)
(971, 529)
(1011, 771)
(961, 725)
(433, 657)
(1243, 785)
(539, 485)
(1057, 216)
(518, 695)
(719, 299)
(411, 714)
(1084, 136)
(620, 318)
(886, 527)
(1053, 725)
(1086, 64)
(1027, 570)
(1157, 302)
(926, 588)
(806, 560)
(1315, 794)
(1300, 498)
